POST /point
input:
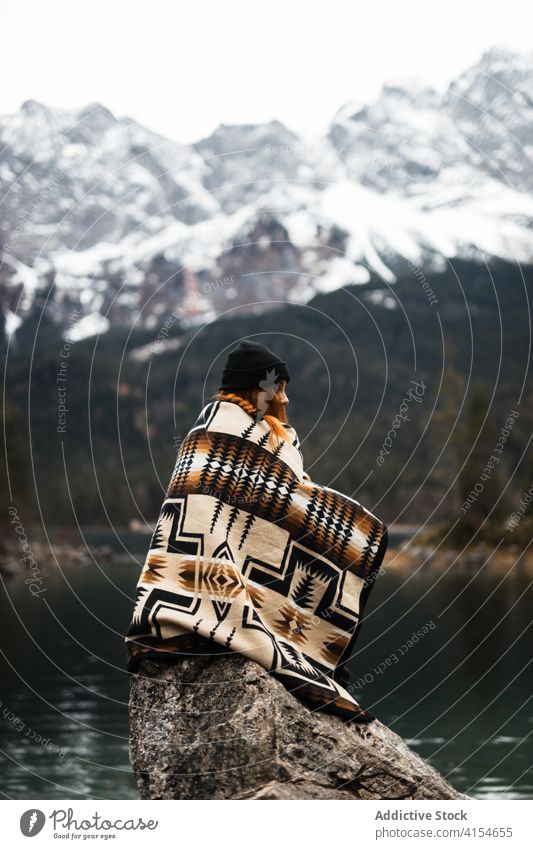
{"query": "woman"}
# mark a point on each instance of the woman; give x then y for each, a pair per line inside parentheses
(249, 555)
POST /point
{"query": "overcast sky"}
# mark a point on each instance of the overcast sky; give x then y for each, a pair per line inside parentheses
(182, 68)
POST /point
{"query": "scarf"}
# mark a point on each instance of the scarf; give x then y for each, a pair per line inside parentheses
(249, 555)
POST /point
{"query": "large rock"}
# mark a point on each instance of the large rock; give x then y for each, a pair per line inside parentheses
(222, 728)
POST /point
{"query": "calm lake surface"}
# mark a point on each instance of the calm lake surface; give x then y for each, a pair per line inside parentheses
(461, 694)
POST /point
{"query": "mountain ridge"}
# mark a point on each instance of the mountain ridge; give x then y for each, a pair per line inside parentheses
(128, 225)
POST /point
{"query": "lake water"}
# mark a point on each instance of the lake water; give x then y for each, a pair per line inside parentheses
(460, 693)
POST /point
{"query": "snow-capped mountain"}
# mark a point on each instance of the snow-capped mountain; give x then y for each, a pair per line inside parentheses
(130, 226)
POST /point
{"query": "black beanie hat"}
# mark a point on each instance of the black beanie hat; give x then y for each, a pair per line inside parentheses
(248, 365)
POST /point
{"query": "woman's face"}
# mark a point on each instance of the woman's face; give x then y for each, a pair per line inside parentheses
(282, 393)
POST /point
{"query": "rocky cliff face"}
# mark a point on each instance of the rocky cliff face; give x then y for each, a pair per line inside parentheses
(222, 728)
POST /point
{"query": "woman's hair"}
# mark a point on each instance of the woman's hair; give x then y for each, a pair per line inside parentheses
(275, 415)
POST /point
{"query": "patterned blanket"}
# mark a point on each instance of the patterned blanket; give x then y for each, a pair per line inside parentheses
(249, 555)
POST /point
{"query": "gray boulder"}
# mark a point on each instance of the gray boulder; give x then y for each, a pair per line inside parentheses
(220, 727)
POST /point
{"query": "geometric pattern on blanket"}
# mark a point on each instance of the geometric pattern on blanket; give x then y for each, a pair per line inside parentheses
(250, 556)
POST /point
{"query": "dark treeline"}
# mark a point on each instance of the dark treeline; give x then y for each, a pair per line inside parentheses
(397, 400)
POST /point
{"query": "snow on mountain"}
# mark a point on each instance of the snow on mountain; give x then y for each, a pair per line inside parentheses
(131, 226)
(491, 104)
(83, 177)
(91, 324)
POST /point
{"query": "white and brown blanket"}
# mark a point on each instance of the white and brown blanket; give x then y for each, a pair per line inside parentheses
(250, 556)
